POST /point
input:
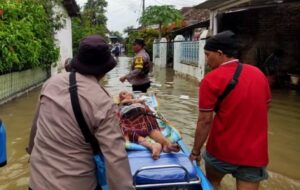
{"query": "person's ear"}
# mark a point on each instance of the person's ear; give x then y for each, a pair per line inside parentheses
(220, 52)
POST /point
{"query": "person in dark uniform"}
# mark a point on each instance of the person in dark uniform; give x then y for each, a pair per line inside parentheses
(141, 66)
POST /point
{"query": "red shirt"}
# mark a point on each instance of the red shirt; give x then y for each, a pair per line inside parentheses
(239, 131)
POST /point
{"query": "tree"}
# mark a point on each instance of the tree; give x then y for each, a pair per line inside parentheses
(92, 21)
(128, 29)
(27, 35)
(94, 12)
(117, 34)
(147, 34)
(160, 15)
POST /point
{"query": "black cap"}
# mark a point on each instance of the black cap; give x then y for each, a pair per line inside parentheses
(139, 41)
(224, 41)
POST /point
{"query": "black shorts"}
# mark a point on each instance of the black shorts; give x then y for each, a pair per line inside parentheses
(142, 87)
(244, 173)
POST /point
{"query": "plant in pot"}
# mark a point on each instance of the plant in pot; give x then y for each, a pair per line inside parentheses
(295, 74)
(269, 64)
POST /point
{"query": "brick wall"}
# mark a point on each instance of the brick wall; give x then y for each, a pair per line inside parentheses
(263, 30)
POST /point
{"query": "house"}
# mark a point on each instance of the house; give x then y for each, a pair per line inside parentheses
(114, 39)
(192, 32)
(193, 15)
(268, 31)
(195, 21)
(68, 9)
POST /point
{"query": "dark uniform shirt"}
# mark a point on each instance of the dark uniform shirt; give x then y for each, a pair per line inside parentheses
(140, 68)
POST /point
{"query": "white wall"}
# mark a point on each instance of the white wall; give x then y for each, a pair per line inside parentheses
(155, 58)
(64, 41)
(189, 70)
(194, 71)
(162, 60)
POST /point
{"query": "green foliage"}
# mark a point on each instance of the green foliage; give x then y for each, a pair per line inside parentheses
(160, 15)
(57, 20)
(128, 29)
(26, 36)
(81, 28)
(94, 12)
(92, 21)
(147, 34)
(117, 34)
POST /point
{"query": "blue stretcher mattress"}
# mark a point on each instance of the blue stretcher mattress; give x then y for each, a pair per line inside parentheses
(139, 159)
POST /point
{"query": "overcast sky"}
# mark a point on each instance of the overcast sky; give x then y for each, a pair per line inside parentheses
(124, 13)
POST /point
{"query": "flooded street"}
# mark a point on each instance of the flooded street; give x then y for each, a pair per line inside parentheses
(284, 130)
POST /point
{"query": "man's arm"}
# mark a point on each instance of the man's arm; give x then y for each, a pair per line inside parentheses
(137, 70)
(204, 123)
(132, 101)
(131, 75)
(33, 130)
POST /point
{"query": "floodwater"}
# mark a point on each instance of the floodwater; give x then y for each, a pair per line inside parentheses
(284, 130)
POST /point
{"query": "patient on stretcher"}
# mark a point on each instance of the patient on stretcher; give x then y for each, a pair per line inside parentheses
(138, 122)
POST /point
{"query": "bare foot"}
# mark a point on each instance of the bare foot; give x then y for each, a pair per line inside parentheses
(171, 148)
(156, 149)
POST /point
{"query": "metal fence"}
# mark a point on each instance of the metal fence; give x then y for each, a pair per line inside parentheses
(13, 83)
(189, 53)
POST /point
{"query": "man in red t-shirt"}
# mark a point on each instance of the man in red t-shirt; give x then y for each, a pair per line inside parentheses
(237, 142)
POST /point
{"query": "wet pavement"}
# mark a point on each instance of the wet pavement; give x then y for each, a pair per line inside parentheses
(284, 130)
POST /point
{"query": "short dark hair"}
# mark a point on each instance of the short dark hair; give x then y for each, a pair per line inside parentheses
(139, 41)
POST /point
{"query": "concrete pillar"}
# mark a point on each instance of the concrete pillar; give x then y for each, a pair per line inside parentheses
(215, 26)
(177, 51)
(154, 49)
(202, 61)
(163, 52)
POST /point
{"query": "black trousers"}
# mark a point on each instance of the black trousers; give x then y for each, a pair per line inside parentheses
(142, 87)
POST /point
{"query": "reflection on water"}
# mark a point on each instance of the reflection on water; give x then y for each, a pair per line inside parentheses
(284, 131)
(17, 116)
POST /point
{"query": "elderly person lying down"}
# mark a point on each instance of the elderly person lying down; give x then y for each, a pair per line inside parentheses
(138, 122)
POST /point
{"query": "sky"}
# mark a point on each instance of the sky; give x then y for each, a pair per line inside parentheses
(123, 13)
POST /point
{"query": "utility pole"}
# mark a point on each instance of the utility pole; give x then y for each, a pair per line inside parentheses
(143, 2)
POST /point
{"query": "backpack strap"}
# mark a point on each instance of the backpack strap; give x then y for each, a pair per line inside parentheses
(89, 137)
(230, 86)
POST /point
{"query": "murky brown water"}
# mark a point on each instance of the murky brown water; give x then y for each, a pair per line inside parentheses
(284, 131)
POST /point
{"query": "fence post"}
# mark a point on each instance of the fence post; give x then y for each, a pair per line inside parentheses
(201, 61)
(177, 51)
(154, 49)
(156, 52)
(163, 52)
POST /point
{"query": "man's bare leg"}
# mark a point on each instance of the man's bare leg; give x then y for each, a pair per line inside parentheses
(215, 177)
(246, 185)
(166, 144)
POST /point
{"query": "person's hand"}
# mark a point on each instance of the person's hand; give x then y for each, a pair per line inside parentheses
(139, 101)
(123, 78)
(195, 157)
